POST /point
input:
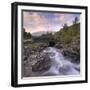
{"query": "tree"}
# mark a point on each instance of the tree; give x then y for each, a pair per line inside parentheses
(26, 35)
(29, 35)
(65, 26)
(75, 20)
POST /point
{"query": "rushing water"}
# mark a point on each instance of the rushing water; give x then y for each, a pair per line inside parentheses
(60, 66)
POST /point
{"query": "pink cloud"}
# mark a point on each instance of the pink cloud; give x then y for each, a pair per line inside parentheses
(40, 23)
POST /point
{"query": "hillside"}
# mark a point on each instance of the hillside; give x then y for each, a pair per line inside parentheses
(69, 39)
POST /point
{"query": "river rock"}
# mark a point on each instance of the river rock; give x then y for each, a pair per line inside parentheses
(72, 53)
(43, 64)
(59, 46)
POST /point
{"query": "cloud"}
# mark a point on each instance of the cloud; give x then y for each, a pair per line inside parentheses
(33, 22)
(45, 21)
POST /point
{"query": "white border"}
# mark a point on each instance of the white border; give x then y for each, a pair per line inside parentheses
(82, 52)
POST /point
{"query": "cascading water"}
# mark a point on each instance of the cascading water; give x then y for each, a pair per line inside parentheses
(60, 66)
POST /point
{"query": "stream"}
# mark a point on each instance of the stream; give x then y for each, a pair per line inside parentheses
(60, 65)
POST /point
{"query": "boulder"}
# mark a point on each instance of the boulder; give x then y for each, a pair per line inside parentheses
(59, 46)
(43, 63)
(72, 53)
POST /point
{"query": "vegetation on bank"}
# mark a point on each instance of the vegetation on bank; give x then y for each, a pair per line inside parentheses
(69, 38)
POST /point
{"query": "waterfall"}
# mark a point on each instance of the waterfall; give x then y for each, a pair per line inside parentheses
(60, 65)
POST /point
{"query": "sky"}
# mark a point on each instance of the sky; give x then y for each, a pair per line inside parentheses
(47, 21)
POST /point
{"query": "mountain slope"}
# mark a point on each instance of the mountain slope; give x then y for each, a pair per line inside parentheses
(70, 40)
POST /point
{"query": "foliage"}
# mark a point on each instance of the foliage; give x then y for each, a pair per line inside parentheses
(26, 35)
(65, 27)
(75, 20)
(70, 40)
(66, 37)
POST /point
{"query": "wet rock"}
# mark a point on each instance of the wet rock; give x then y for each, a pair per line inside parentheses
(25, 58)
(64, 70)
(72, 53)
(43, 64)
(59, 46)
(27, 51)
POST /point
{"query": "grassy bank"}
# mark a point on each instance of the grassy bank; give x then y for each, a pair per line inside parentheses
(69, 38)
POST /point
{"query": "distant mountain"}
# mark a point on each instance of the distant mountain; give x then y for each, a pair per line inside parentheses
(41, 33)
